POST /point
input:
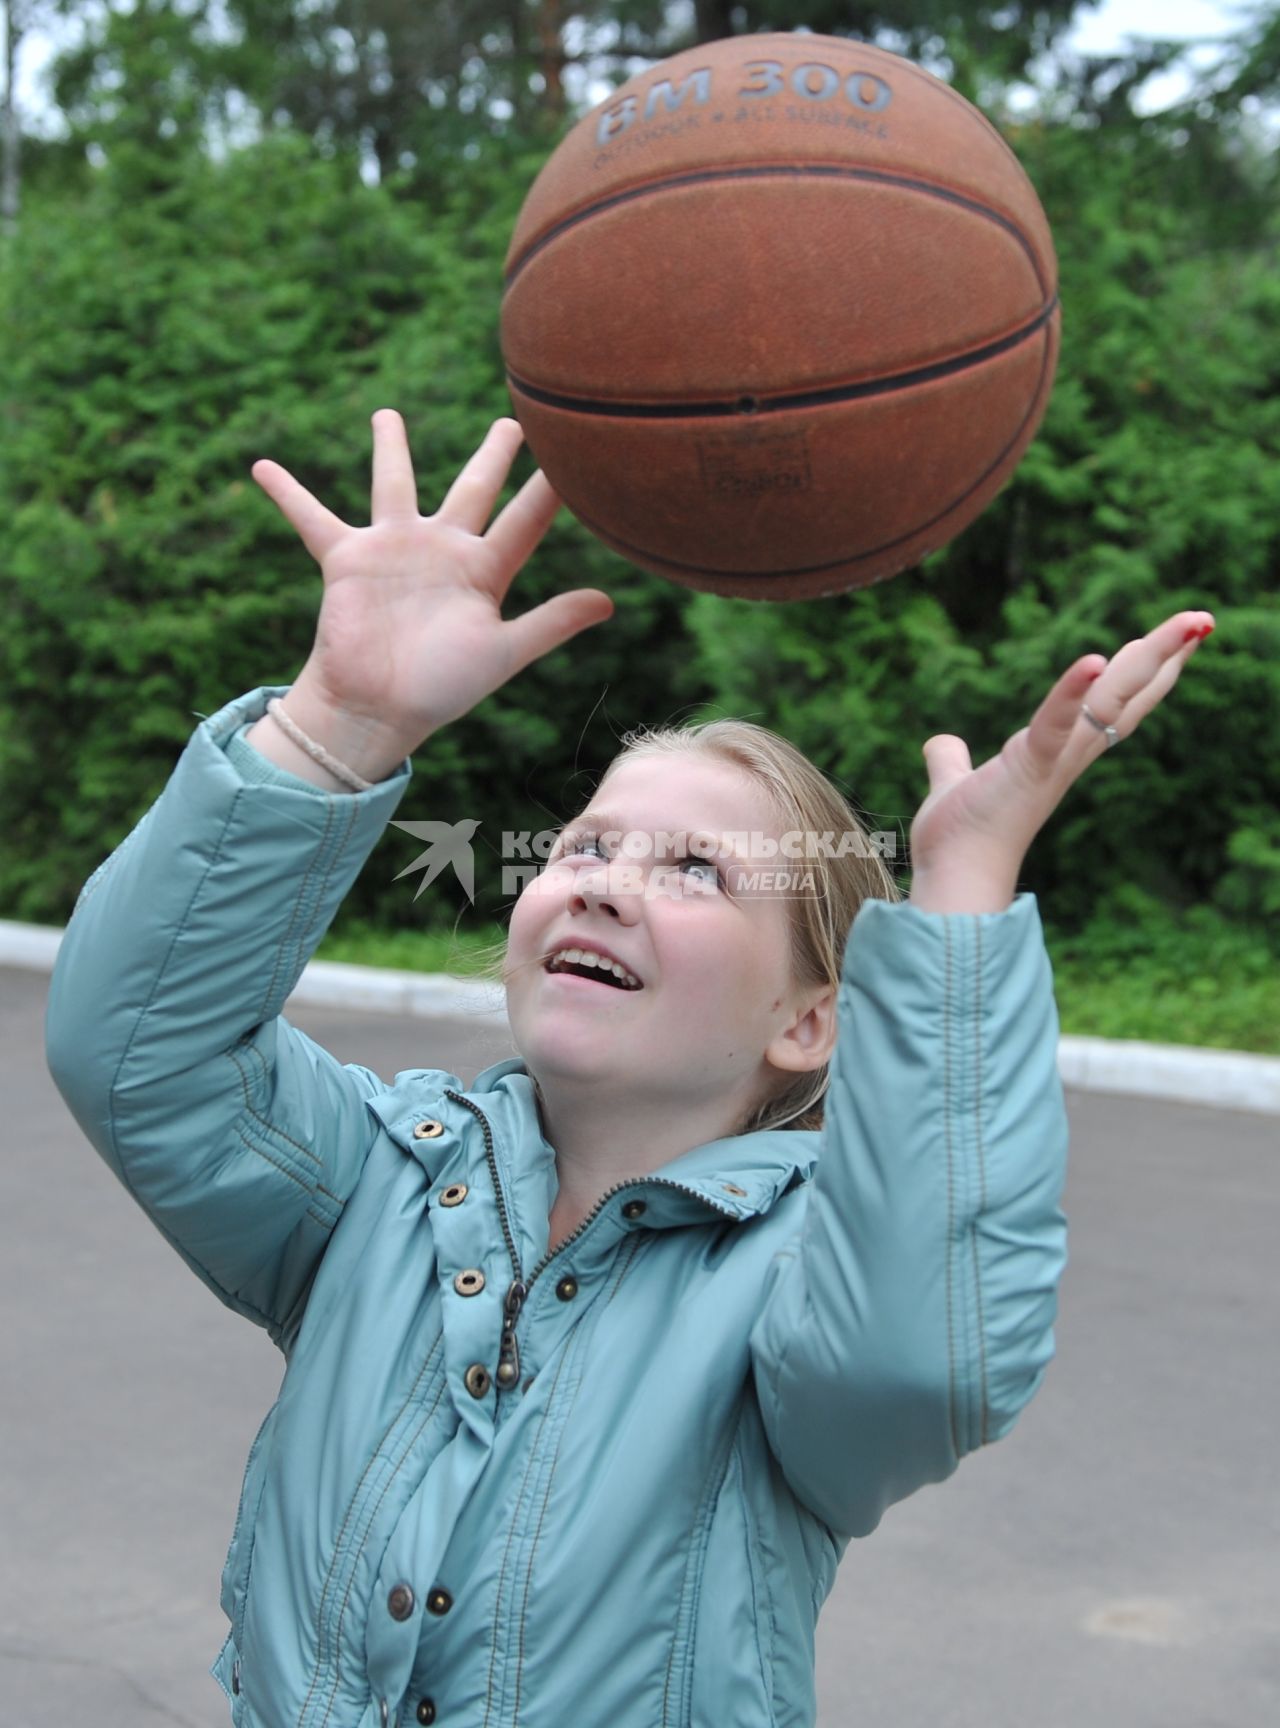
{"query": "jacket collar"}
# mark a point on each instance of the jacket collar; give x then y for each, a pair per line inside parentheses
(741, 1175)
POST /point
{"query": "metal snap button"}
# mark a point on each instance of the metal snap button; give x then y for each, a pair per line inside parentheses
(426, 1712)
(508, 1374)
(454, 1194)
(400, 1602)
(428, 1130)
(567, 1289)
(439, 1601)
(476, 1380)
(733, 1188)
(634, 1209)
(470, 1282)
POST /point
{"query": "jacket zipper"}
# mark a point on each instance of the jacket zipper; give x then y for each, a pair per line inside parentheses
(508, 1374)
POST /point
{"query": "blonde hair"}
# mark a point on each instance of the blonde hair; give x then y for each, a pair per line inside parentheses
(804, 800)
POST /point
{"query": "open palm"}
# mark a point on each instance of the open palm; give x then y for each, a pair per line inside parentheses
(991, 814)
(410, 630)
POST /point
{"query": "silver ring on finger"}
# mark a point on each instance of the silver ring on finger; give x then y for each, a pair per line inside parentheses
(1113, 737)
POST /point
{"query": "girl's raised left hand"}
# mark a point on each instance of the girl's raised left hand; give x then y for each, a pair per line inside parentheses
(972, 832)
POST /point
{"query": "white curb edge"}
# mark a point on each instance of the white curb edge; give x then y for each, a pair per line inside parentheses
(1222, 1079)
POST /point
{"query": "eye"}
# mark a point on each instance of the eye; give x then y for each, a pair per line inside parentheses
(582, 843)
(714, 876)
(708, 877)
(574, 842)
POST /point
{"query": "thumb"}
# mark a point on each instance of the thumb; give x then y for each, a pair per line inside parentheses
(947, 759)
(542, 628)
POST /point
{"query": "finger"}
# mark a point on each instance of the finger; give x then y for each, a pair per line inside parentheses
(395, 491)
(470, 500)
(318, 528)
(1140, 675)
(947, 760)
(1134, 666)
(545, 627)
(1059, 717)
(1138, 707)
(521, 526)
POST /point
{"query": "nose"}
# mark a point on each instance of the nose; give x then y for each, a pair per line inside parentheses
(614, 885)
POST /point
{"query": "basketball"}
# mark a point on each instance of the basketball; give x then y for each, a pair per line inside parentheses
(780, 316)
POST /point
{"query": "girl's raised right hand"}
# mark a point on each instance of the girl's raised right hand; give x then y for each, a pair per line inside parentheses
(411, 633)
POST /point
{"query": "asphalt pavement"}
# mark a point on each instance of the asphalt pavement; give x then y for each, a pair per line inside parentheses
(1113, 1563)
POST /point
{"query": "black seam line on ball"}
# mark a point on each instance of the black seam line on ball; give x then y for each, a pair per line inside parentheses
(638, 552)
(733, 409)
(812, 171)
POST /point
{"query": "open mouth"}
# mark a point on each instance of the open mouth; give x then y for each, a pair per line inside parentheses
(595, 971)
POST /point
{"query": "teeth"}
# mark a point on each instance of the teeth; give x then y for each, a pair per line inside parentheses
(585, 957)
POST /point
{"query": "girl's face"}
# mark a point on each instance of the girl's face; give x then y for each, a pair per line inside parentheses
(647, 875)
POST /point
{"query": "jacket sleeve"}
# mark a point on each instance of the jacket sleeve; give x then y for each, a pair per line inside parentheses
(239, 1136)
(911, 1318)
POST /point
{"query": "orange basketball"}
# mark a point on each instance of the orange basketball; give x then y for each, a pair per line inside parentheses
(780, 316)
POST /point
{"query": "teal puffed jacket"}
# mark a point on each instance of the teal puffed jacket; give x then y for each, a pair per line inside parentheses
(733, 1367)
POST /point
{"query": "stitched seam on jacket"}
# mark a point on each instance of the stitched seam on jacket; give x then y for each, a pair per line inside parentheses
(247, 1308)
(248, 1469)
(546, 1498)
(299, 901)
(691, 1584)
(828, 1535)
(528, 1574)
(320, 1214)
(253, 1532)
(982, 1185)
(271, 1137)
(506, 1553)
(624, 1265)
(251, 1110)
(331, 860)
(627, 1259)
(326, 1208)
(261, 1152)
(315, 1212)
(368, 1525)
(758, 1578)
(170, 1238)
(336, 1658)
(947, 1110)
(514, 1523)
(773, 1380)
(373, 1459)
(111, 861)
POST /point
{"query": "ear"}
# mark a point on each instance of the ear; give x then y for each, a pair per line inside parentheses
(810, 1038)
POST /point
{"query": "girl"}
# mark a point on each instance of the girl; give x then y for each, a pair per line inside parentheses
(592, 1370)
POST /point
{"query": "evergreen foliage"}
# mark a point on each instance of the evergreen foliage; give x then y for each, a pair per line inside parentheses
(169, 312)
